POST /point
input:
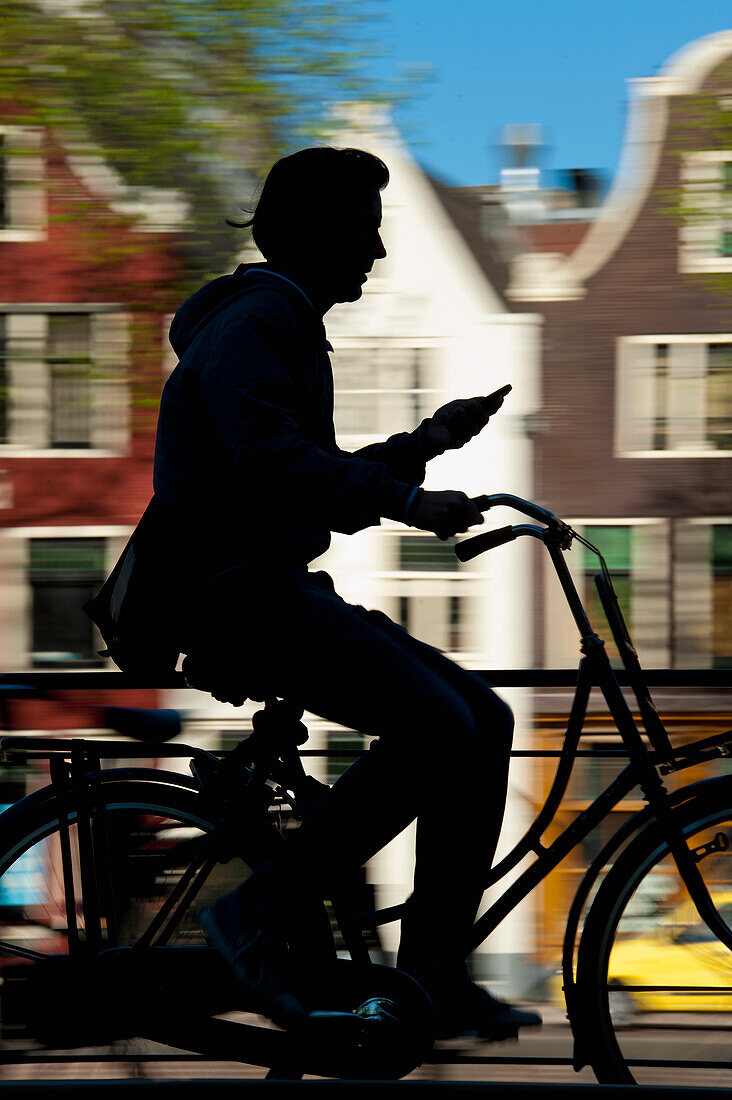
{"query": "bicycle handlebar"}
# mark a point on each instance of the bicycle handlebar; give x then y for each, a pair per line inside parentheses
(535, 511)
(466, 551)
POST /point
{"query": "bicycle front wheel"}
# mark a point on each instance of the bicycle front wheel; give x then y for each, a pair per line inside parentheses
(654, 986)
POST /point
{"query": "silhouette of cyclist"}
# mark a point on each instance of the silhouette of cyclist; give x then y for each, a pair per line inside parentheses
(246, 458)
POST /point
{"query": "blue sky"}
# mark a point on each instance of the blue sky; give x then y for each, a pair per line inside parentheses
(561, 63)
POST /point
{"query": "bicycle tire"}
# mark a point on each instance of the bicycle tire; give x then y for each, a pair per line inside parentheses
(617, 1045)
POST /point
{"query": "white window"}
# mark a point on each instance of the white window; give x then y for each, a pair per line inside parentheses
(62, 381)
(674, 395)
(64, 573)
(382, 388)
(428, 592)
(703, 592)
(706, 235)
(46, 574)
(637, 554)
(22, 200)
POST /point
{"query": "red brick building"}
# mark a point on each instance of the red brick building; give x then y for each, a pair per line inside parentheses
(86, 269)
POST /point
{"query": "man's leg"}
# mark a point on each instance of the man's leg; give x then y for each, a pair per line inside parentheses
(452, 776)
(439, 728)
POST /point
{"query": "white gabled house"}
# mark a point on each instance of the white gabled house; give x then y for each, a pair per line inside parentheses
(433, 325)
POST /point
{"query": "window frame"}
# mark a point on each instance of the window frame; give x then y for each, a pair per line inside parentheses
(560, 635)
(16, 641)
(368, 342)
(28, 373)
(397, 585)
(24, 186)
(624, 381)
(709, 202)
(693, 588)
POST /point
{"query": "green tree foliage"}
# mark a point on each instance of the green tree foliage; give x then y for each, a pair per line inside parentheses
(194, 95)
(700, 137)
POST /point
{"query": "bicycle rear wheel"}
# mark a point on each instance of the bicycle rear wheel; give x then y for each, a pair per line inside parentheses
(654, 986)
(145, 836)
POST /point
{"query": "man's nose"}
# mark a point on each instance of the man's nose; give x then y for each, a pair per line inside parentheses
(379, 250)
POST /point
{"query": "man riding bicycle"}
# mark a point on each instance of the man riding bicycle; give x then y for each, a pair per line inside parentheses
(247, 465)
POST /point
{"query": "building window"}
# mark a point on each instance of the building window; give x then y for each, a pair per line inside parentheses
(674, 395)
(614, 545)
(62, 379)
(70, 380)
(3, 184)
(638, 556)
(719, 396)
(721, 562)
(22, 215)
(429, 603)
(4, 397)
(64, 573)
(419, 553)
(382, 389)
(706, 235)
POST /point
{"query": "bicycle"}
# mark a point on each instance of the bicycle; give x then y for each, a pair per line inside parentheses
(141, 850)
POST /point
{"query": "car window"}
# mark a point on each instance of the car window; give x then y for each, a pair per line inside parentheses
(699, 933)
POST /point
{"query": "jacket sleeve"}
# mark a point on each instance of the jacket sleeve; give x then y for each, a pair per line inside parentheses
(401, 454)
(250, 397)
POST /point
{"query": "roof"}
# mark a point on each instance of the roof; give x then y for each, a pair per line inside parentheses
(467, 211)
(560, 237)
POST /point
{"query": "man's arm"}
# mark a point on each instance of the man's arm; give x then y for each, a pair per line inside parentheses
(449, 428)
(250, 397)
(402, 454)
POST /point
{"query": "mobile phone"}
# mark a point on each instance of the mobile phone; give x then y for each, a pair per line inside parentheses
(493, 401)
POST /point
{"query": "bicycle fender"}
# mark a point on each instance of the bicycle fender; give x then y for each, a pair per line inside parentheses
(112, 775)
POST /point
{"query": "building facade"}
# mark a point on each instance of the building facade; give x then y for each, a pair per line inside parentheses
(635, 436)
(84, 276)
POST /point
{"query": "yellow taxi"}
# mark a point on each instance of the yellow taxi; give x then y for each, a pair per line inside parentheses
(679, 951)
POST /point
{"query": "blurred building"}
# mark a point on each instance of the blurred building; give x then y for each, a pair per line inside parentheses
(595, 310)
(634, 441)
(84, 268)
(433, 325)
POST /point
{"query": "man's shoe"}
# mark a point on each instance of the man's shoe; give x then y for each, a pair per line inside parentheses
(258, 958)
(476, 1014)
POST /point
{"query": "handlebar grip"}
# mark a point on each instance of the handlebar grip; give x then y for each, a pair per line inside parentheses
(469, 549)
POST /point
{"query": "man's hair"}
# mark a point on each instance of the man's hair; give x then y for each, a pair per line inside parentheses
(305, 187)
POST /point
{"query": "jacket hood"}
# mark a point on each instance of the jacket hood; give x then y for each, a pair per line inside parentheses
(202, 306)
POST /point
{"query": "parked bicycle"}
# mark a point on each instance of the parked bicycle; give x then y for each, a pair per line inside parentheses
(132, 855)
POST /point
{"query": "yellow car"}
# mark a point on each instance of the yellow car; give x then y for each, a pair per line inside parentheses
(679, 951)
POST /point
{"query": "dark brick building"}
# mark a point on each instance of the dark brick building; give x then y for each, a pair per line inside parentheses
(634, 443)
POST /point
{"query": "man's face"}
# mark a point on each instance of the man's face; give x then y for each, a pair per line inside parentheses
(349, 248)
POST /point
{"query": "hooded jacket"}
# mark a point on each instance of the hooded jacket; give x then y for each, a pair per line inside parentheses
(246, 453)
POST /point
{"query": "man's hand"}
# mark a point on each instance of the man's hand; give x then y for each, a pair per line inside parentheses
(446, 514)
(454, 424)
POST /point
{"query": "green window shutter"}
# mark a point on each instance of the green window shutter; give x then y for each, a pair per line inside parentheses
(613, 543)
